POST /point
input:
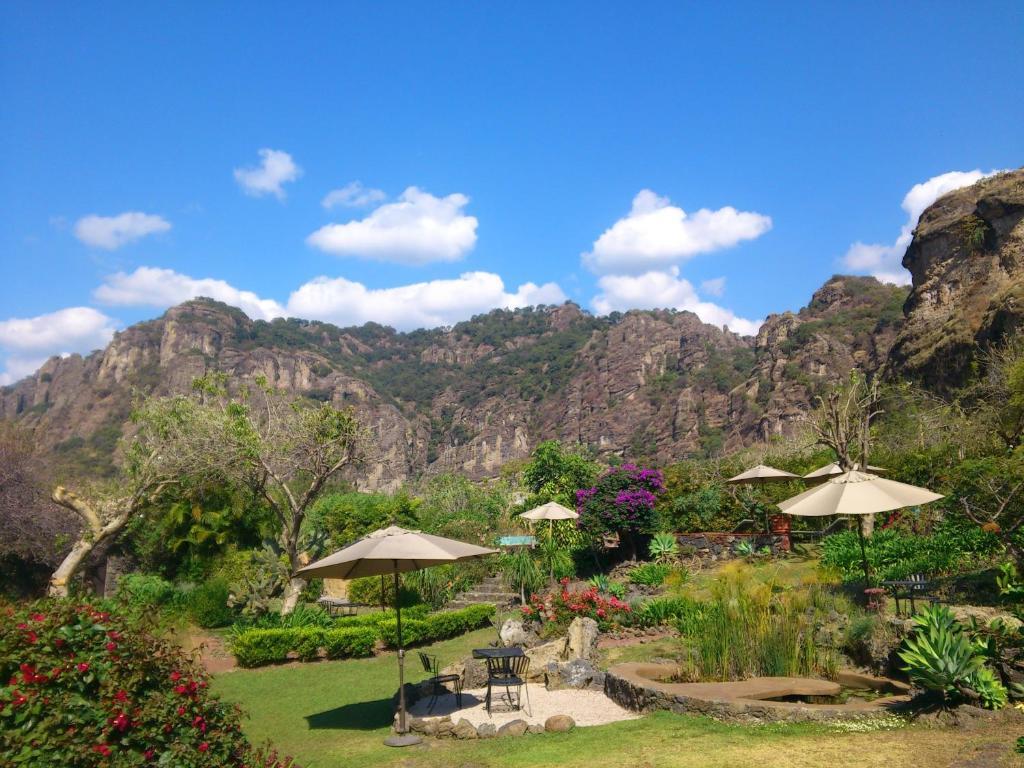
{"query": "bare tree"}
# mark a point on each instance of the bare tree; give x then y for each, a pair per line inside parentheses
(283, 448)
(991, 492)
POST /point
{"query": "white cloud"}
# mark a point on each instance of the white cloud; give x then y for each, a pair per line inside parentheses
(885, 261)
(713, 287)
(657, 234)
(353, 195)
(417, 229)
(29, 341)
(275, 169)
(154, 287)
(110, 232)
(419, 305)
(662, 290)
(337, 300)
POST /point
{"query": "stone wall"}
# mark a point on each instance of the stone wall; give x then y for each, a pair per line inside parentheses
(721, 546)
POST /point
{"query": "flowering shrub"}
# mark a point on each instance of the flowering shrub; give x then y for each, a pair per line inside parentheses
(563, 605)
(82, 687)
(621, 501)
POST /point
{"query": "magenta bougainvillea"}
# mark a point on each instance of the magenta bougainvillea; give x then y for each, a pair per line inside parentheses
(86, 687)
(621, 501)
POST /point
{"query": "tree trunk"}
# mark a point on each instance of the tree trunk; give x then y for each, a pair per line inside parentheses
(68, 567)
(867, 525)
(291, 595)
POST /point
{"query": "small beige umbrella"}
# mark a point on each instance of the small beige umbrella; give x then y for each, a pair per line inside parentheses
(762, 473)
(833, 469)
(757, 475)
(551, 511)
(857, 493)
(393, 550)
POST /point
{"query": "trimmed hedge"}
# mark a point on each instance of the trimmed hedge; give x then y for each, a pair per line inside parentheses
(356, 636)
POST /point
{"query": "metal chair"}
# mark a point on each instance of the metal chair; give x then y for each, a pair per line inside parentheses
(508, 672)
(438, 681)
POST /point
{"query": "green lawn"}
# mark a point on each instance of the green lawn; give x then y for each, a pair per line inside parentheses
(338, 713)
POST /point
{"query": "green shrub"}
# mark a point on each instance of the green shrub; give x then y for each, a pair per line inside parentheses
(352, 635)
(208, 604)
(256, 647)
(367, 591)
(83, 687)
(664, 547)
(650, 574)
(660, 611)
(145, 590)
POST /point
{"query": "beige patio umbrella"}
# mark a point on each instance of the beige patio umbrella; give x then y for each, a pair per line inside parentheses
(393, 550)
(857, 493)
(551, 511)
(762, 473)
(833, 469)
(757, 475)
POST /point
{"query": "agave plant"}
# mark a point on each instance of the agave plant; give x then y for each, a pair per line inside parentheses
(664, 548)
(600, 582)
(990, 689)
(940, 657)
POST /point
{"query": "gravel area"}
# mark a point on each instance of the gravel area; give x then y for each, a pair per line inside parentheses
(585, 707)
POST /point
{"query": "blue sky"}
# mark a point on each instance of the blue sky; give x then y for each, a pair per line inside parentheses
(724, 158)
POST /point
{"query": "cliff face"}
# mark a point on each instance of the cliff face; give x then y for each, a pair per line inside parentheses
(967, 266)
(657, 385)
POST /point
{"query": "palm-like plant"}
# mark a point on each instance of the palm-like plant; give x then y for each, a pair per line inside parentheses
(664, 548)
(520, 572)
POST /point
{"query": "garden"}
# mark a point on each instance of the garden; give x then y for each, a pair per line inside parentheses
(178, 628)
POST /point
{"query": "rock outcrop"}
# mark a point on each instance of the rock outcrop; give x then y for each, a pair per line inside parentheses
(967, 265)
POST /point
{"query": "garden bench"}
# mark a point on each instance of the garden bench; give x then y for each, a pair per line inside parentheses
(915, 587)
(337, 606)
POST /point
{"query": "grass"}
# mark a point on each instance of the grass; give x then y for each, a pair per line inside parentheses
(338, 713)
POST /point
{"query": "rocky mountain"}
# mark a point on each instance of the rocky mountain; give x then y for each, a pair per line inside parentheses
(967, 263)
(655, 385)
(660, 385)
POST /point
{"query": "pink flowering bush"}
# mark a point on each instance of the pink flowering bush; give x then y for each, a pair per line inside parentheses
(621, 501)
(562, 605)
(84, 687)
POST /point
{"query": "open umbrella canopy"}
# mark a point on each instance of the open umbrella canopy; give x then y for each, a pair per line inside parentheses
(856, 493)
(550, 511)
(833, 469)
(762, 473)
(389, 550)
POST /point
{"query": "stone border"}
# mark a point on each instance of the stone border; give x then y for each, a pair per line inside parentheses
(639, 694)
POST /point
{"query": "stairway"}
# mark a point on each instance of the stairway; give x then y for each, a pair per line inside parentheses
(491, 590)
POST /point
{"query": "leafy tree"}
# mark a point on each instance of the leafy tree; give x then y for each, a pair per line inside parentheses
(555, 473)
(998, 395)
(345, 517)
(990, 491)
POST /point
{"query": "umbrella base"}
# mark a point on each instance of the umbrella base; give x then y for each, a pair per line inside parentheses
(402, 740)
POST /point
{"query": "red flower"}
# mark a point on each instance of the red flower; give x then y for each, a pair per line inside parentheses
(59, 642)
(83, 667)
(181, 710)
(203, 747)
(121, 696)
(31, 636)
(37, 617)
(120, 722)
(103, 749)
(180, 690)
(149, 754)
(175, 676)
(111, 646)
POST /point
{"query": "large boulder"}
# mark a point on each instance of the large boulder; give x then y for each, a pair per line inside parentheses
(984, 616)
(473, 672)
(513, 728)
(464, 730)
(542, 655)
(582, 640)
(578, 673)
(559, 724)
(514, 633)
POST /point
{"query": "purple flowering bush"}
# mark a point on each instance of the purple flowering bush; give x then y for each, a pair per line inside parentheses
(621, 501)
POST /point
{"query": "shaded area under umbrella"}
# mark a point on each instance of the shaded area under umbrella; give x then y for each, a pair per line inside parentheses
(393, 550)
(857, 493)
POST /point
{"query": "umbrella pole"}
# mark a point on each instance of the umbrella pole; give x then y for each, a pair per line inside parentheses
(403, 738)
(863, 554)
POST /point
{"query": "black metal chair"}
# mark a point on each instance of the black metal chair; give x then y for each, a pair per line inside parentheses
(438, 681)
(506, 673)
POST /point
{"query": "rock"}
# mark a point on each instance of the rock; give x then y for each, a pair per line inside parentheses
(514, 632)
(487, 730)
(559, 724)
(582, 640)
(535, 728)
(445, 728)
(464, 730)
(473, 672)
(984, 615)
(513, 728)
(578, 673)
(428, 727)
(542, 655)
